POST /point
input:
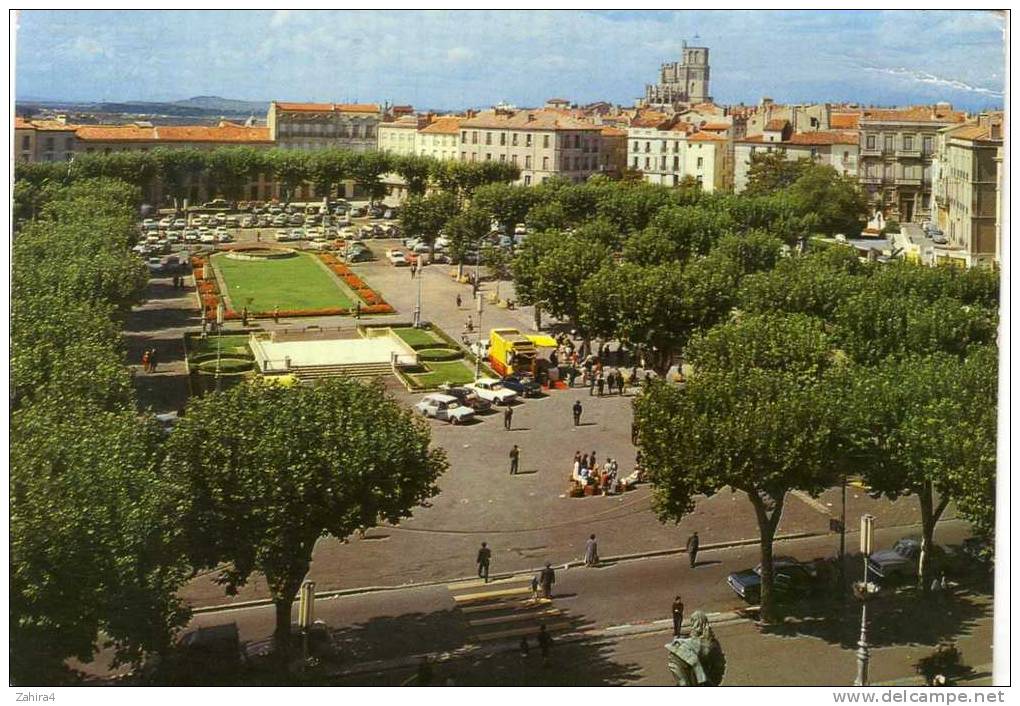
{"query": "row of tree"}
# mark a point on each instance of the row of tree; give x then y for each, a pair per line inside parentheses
(229, 171)
(109, 515)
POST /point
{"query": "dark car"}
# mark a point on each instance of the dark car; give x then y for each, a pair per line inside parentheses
(897, 563)
(523, 386)
(467, 397)
(791, 579)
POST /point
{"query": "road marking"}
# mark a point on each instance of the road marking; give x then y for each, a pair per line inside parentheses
(474, 597)
(494, 582)
(813, 503)
(505, 605)
(517, 632)
(548, 613)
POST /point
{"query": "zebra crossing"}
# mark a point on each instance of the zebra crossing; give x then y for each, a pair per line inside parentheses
(506, 608)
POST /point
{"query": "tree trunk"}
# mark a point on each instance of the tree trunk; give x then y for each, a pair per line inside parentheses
(538, 317)
(767, 524)
(930, 514)
(281, 635)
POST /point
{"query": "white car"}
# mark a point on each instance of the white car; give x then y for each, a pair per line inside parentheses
(179, 224)
(223, 237)
(207, 237)
(165, 222)
(397, 258)
(191, 236)
(444, 407)
(297, 234)
(492, 391)
(150, 224)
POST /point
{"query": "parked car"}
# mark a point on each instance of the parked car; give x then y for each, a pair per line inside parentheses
(791, 579)
(900, 562)
(358, 255)
(444, 407)
(179, 224)
(297, 234)
(165, 222)
(523, 385)
(282, 236)
(223, 236)
(468, 398)
(150, 224)
(248, 222)
(492, 390)
(939, 238)
(208, 237)
(296, 220)
(155, 265)
(397, 258)
(217, 203)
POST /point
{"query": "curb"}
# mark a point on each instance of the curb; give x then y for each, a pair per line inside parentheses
(340, 593)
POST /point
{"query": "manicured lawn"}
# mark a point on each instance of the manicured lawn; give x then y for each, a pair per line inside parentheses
(292, 283)
(229, 344)
(456, 372)
(416, 336)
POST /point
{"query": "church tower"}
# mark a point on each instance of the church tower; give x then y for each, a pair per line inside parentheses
(684, 81)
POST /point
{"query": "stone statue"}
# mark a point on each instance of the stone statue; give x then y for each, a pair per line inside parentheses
(696, 660)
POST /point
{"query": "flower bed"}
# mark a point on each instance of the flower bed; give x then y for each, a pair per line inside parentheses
(375, 304)
(439, 354)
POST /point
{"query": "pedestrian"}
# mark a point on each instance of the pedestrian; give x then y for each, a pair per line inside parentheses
(276, 314)
(591, 460)
(621, 383)
(244, 316)
(145, 360)
(648, 378)
(152, 360)
(591, 384)
(484, 555)
(577, 412)
(601, 382)
(508, 416)
(611, 381)
(414, 269)
(591, 552)
(547, 578)
(573, 376)
(357, 310)
(633, 433)
(692, 548)
(458, 301)
(534, 588)
(470, 325)
(515, 457)
(678, 615)
(584, 463)
(258, 236)
(544, 642)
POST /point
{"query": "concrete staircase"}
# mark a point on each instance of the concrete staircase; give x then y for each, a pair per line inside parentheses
(363, 371)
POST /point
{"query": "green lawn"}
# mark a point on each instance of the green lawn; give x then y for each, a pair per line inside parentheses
(228, 344)
(456, 372)
(416, 336)
(292, 283)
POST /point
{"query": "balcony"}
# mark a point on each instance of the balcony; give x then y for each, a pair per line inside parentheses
(912, 153)
(871, 179)
(871, 152)
(908, 181)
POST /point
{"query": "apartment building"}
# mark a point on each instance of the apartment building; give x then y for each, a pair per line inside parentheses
(667, 150)
(440, 139)
(316, 126)
(896, 152)
(836, 148)
(542, 143)
(966, 183)
(802, 117)
(400, 136)
(43, 140)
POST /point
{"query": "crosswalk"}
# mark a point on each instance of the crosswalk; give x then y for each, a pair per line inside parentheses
(506, 608)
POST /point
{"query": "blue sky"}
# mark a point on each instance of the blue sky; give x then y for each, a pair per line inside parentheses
(453, 59)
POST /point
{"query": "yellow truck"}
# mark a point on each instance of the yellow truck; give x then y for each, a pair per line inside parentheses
(514, 353)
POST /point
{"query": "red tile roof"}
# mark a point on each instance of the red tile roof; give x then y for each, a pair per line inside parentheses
(22, 124)
(528, 120)
(445, 125)
(706, 137)
(823, 137)
(716, 126)
(844, 121)
(914, 114)
(610, 131)
(776, 125)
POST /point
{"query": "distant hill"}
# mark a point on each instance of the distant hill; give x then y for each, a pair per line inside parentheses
(229, 105)
(197, 107)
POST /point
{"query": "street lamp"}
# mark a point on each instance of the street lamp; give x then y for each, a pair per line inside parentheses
(422, 261)
(865, 591)
(219, 332)
(478, 345)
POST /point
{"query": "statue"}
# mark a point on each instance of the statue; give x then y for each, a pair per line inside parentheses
(696, 660)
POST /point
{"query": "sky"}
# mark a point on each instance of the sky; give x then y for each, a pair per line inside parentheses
(458, 59)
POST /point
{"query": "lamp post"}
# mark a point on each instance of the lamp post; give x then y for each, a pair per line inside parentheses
(306, 613)
(422, 261)
(478, 344)
(864, 591)
(219, 332)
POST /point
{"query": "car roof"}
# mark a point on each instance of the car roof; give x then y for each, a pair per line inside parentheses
(440, 397)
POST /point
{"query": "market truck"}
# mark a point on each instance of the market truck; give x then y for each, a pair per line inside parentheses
(514, 353)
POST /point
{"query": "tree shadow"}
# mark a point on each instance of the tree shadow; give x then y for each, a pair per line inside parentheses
(162, 392)
(156, 319)
(899, 617)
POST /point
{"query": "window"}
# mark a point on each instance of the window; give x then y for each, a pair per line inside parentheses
(846, 156)
(527, 139)
(527, 162)
(502, 139)
(927, 144)
(49, 144)
(908, 142)
(488, 138)
(814, 153)
(463, 156)
(701, 162)
(488, 156)
(513, 140)
(635, 162)
(513, 159)
(26, 142)
(474, 137)
(545, 141)
(577, 141)
(648, 163)
(527, 181)
(69, 144)
(463, 137)
(637, 145)
(814, 122)
(676, 163)
(663, 167)
(545, 160)
(648, 147)
(502, 158)
(888, 143)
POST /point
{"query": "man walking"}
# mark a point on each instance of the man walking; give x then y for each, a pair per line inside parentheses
(547, 578)
(484, 555)
(152, 360)
(678, 615)
(692, 548)
(591, 552)
(508, 417)
(515, 457)
(591, 384)
(276, 314)
(577, 413)
(544, 642)
(458, 301)
(601, 382)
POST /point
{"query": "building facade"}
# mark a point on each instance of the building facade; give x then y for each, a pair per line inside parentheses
(316, 126)
(896, 152)
(44, 141)
(835, 148)
(440, 139)
(966, 187)
(668, 151)
(399, 136)
(542, 143)
(682, 82)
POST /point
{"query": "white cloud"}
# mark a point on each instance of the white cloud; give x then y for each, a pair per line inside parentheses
(459, 54)
(927, 78)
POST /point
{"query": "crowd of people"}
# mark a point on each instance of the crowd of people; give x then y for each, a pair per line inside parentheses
(602, 480)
